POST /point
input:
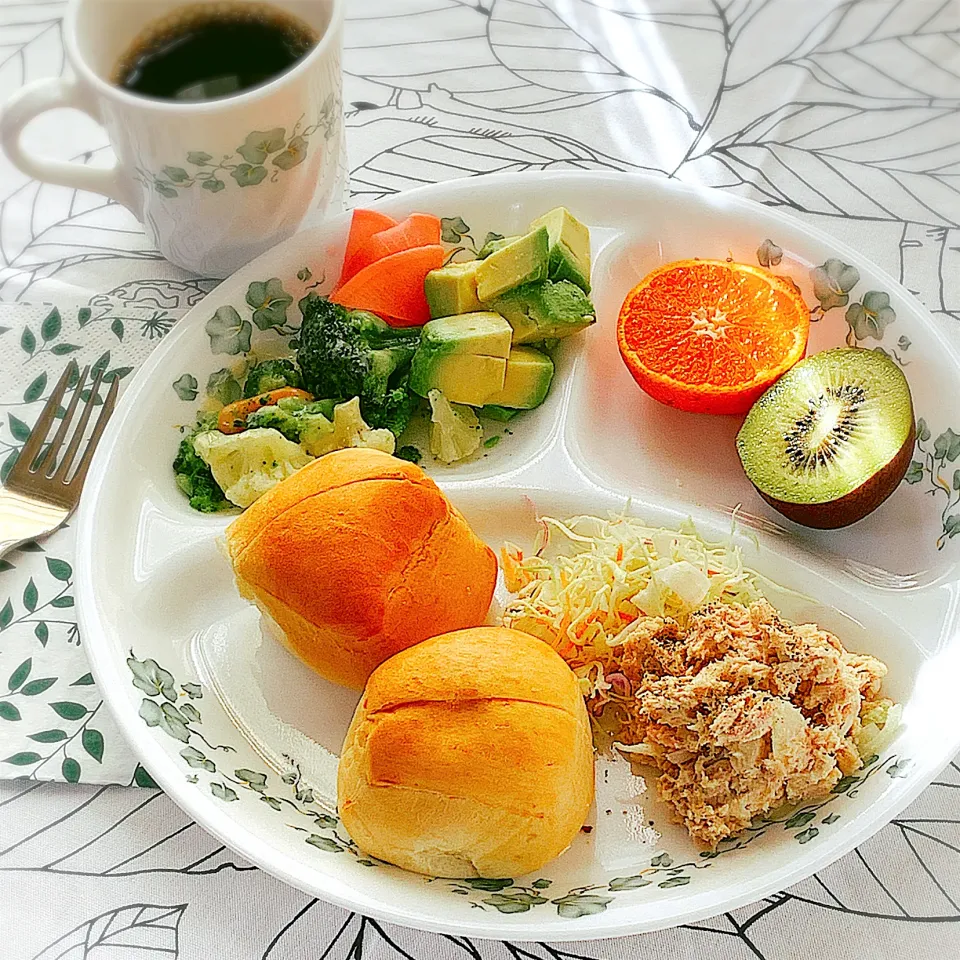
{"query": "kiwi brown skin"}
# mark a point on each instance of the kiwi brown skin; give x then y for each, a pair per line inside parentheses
(857, 503)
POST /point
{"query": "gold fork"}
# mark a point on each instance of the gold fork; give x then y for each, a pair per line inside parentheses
(40, 492)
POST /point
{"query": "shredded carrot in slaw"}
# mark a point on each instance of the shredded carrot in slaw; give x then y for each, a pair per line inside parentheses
(589, 581)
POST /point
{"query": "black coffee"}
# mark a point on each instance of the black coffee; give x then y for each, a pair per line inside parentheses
(204, 52)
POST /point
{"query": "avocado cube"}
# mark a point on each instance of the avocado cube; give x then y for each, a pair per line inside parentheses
(465, 357)
(467, 378)
(452, 289)
(569, 247)
(545, 311)
(493, 245)
(527, 380)
(493, 412)
(523, 261)
(479, 332)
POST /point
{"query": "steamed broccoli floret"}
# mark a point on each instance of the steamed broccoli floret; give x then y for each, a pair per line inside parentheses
(271, 375)
(395, 409)
(194, 477)
(294, 418)
(275, 418)
(409, 452)
(372, 326)
(344, 355)
(206, 421)
(348, 429)
(333, 358)
(326, 407)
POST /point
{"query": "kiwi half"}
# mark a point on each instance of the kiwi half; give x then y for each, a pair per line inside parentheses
(831, 439)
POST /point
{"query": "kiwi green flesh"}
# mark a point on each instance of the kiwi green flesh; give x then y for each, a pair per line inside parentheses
(827, 440)
(856, 504)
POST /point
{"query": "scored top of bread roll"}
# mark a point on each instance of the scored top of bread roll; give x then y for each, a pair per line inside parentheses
(356, 556)
(325, 473)
(522, 668)
(469, 755)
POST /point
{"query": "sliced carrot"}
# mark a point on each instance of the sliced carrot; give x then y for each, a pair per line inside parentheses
(363, 226)
(418, 230)
(393, 287)
(233, 417)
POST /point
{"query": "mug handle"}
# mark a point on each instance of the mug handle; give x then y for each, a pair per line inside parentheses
(51, 94)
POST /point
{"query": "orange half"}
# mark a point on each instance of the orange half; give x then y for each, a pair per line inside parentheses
(709, 336)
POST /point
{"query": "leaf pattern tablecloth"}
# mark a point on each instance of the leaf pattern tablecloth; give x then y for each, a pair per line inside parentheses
(845, 112)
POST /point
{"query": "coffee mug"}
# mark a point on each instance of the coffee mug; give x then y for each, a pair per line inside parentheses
(215, 182)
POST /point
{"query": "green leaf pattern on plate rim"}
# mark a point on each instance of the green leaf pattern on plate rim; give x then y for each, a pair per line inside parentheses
(267, 301)
(233, 329)
(833, 282)
(172, 708)
(168, 707)
(940, 481)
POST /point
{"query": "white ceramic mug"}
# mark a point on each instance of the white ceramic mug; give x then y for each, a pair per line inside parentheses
(215, 182)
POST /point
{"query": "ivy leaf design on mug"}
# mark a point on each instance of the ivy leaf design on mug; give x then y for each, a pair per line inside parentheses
(295, 153)
(247, 175)
(260, 143)
(258, 149)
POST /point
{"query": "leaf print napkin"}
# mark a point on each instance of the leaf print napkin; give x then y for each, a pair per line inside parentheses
(53, 723)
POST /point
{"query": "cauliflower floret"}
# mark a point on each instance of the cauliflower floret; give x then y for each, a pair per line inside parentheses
(347, 430)
(455, 432)
(248, 464)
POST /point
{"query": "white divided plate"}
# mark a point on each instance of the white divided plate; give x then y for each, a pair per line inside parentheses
(234, 729)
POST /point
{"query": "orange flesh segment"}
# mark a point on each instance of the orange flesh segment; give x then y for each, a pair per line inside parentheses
(711, 336)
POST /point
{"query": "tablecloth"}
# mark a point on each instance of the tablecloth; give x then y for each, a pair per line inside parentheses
(844, 113)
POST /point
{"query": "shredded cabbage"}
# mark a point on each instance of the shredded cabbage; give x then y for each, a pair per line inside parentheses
(880, 724)
(590, 581)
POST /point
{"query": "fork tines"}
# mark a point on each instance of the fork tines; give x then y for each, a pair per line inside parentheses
(38, 468)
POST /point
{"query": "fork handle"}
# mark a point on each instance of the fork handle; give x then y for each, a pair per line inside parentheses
(24, 518)
(7, 545)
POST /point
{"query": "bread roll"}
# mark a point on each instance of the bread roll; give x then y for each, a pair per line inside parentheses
(469, 755)
(356, 556)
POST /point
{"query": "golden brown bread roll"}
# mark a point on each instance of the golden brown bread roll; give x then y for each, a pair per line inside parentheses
(469, 755)
(359, 555)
